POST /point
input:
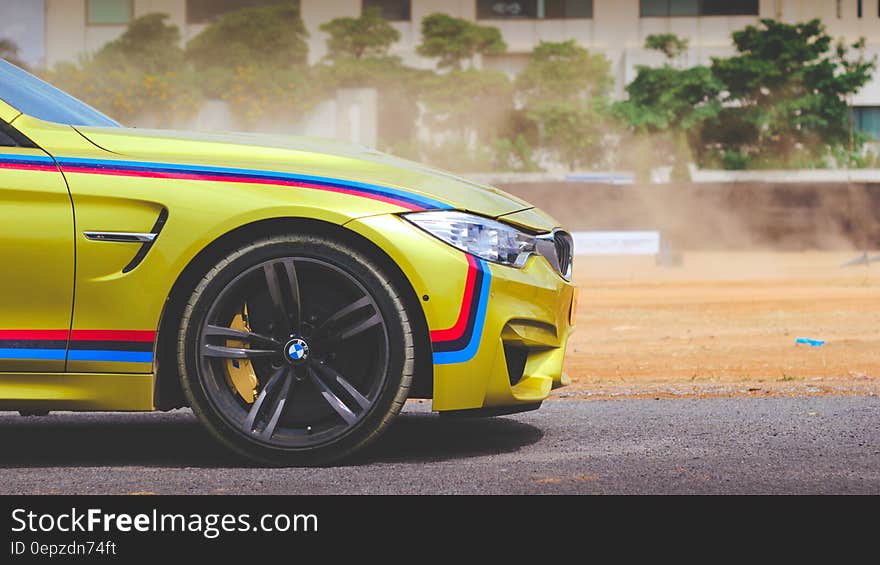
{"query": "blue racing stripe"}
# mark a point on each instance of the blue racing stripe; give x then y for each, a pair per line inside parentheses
(36, 354)
(468, 353)
(27, 159)
(119, 356)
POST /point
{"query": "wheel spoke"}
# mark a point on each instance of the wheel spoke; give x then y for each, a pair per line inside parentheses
(355, 394)
(240, 335)
(295, 303)
(279, 309)
(270, 395)
(353, 307)
(352, 330)
(209, 350)
(280, 404)
(334, 401)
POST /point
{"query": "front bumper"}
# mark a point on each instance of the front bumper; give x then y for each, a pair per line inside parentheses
(499, 334)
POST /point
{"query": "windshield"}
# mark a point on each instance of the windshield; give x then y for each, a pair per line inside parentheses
(30, 95)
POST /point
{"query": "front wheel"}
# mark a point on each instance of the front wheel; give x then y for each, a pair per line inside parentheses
(295, 350)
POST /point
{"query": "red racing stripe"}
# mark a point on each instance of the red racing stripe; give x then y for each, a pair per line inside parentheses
(456, 331)
(28, 335)
(113, 335)
(28, 167)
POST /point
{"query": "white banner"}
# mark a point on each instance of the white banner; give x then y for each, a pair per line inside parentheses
(616, 242)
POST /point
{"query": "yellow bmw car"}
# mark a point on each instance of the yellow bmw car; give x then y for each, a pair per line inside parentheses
(293, 292)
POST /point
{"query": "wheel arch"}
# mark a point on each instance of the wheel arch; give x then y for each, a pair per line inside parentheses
(167, 391)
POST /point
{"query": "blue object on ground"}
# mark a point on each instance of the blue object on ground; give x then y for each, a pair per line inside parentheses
(810, 342)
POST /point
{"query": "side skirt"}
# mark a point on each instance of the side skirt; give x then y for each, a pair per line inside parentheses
(76, 391)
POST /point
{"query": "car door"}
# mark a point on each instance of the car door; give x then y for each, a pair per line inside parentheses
(36, 256)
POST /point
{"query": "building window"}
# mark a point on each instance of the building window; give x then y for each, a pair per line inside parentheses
(867, 120)
(692, 8)
(108, 12)
(534, 9)
(859, 9)
(392, 10)
(205, 11)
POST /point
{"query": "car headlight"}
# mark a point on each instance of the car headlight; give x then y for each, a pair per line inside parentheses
(479, 236)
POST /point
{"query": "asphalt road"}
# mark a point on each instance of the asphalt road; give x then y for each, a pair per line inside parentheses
(738, 445)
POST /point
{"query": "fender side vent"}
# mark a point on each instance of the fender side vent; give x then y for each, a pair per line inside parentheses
(145, 248)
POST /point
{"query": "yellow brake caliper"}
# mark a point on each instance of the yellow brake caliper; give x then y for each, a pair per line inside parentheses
(241, 371)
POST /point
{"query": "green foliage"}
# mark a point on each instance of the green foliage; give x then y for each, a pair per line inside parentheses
(564, 70)
(139, 75)
(454, 40)
(566, 93)
(573, 130)
(255, 59)
(9, 50)
(514, 155)
(668, 98)
(367, 36)
(468, 103)
(670, 107)
(148, 44)
(127, 93)
(259, 93)
(669, 44)
(790, 89)
(273, 36)
(781, 101)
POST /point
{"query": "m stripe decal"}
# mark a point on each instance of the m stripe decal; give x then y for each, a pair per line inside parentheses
(461, 342)
(398, 197)
(125, 346)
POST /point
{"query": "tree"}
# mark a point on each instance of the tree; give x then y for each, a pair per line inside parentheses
(141, 76)
(669, 107)
(468, 102)
(463, 110)
(565, 70)
(258, 94)
(9, 50)
(566, 92)
(454, 40)
(148, 44)
(397, 85)
(786, 101)
(358, 58)
(367, 36)
(669, 44)
(272, 36)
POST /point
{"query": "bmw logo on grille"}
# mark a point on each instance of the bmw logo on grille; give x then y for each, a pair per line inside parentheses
(297, 350)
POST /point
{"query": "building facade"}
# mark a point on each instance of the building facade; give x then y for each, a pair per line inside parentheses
(617, 28)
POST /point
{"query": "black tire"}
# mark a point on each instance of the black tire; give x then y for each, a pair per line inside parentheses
(357, 406)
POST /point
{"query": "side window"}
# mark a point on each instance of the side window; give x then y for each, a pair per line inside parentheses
(10, 137)
(6, 139)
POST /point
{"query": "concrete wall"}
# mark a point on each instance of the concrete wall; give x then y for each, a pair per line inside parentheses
(736, 216)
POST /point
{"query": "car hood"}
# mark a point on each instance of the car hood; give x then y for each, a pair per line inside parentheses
(304, 155)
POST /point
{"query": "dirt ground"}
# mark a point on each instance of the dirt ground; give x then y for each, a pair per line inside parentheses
(725, 324)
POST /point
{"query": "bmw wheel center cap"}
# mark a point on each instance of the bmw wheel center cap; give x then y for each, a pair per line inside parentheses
(296, 351)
